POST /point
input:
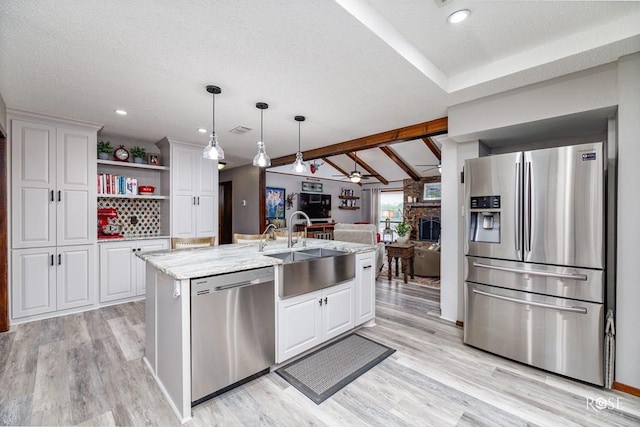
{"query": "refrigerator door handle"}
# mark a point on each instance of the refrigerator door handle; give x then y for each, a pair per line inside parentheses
(582, 277)
(581, 310)
(527, 209)
(518, 219)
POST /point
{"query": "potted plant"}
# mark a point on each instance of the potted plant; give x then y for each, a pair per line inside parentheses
(403, 229)
(139, 154)
(104, 150)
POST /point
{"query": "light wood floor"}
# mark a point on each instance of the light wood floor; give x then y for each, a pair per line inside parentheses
(87, 369)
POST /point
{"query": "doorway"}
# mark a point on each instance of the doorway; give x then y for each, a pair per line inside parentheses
(225, 213)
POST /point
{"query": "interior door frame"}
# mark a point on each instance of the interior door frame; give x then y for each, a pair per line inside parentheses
(4, 243)
(225, 212)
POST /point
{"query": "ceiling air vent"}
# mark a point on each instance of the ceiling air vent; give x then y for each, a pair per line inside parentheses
(240, 130)
(441, 3)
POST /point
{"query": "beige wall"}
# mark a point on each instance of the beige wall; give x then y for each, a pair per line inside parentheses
(245, 188)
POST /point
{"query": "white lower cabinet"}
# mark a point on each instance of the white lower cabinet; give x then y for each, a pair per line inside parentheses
(305, 321)
(122, 273)
(365, 287)
(51, 279)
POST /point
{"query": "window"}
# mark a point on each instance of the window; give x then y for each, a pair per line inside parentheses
(391, 205)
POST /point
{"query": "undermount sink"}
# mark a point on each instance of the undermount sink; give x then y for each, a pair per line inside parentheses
(311, 269)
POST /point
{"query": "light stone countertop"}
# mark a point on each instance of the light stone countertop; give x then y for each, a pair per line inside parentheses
(202, 262)
(131, 238)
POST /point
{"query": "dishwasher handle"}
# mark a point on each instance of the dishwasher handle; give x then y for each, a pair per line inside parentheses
(238, 285)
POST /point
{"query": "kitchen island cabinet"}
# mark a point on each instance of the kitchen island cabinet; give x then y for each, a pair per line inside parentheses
(168, 306)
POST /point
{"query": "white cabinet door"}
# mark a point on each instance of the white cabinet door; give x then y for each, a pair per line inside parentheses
(76, 193)
(33, 277)
(33, 182)
(76, 276)
(140, 265)
(299, 325)
(337, 310)
(206, 198)
(184, 165)
(365, 291)
(117, 271)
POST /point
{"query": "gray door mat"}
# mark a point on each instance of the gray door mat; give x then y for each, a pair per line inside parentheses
(324, 372)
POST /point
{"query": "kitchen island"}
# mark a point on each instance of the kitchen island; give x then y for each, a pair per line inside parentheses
(301, 322)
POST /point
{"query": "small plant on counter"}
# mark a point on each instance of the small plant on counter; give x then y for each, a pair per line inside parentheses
(138, 153)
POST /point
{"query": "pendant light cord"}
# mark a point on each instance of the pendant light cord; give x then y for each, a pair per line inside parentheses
(213, 118)
(261, 121)
(298, 137)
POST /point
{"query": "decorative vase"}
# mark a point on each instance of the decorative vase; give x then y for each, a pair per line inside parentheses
(402, 239)
(103, 156)
(138, 160)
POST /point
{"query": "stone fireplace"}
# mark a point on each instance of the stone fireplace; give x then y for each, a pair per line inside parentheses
(418, 209)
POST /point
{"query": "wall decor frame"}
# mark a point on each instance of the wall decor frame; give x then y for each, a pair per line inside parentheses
(432, 192)
(315, 187)
(153, 159)
(275, 202)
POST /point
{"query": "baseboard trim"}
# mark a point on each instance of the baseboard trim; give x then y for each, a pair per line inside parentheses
(459, 324)
(626, 388)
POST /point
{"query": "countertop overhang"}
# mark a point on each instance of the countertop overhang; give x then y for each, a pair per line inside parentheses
(202, 262)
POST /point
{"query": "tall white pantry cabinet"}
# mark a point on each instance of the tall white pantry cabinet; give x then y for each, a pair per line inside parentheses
(194, 189)
(53, 213)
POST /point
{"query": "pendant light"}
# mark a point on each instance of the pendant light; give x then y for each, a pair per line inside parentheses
(298, 165)
(261, 159)
(213, 151)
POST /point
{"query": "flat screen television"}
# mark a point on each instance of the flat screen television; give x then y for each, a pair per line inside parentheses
(317, 206)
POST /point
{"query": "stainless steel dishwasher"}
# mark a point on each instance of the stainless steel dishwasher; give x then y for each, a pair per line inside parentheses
(232, 330)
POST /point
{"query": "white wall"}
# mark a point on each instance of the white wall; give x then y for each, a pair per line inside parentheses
(3, 117)
(628, 271)
(452, 260)
(293, 184)
(587, 90)
(608, 86)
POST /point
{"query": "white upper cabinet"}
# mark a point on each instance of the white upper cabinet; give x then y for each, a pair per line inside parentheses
(194, 189)
(53, 172)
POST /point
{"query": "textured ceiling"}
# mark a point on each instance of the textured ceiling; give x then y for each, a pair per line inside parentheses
(83, 59)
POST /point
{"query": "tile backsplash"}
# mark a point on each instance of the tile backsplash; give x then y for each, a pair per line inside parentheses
(145, 211)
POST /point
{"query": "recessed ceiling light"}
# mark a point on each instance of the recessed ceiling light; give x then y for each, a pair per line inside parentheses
(202, 130)
(121, 112)
(459, 16)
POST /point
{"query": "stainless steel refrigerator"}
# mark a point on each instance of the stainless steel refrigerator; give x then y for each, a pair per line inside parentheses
(535, 250)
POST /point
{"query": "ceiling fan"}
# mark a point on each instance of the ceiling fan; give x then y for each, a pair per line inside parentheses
(431, 167)
(356, 176)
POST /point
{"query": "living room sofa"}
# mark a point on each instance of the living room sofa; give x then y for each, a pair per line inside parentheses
(426, 261)
(361, 233)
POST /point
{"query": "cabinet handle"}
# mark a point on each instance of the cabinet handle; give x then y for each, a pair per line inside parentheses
(52, 254)
(133, 249)
(194, 200)
(366, 266)
(198, 200)
(325, 301)
(59, 195)
(320, 301)
(52, 199)
(59, 259)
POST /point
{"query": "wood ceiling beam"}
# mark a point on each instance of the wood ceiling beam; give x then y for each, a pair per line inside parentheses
(407, 133)
(368, 168)
(398, 161)
(433, 147)
(338, 168)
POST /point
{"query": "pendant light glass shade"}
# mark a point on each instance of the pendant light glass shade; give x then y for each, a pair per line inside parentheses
(213, 150)
(261, 159)
(299, 166)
